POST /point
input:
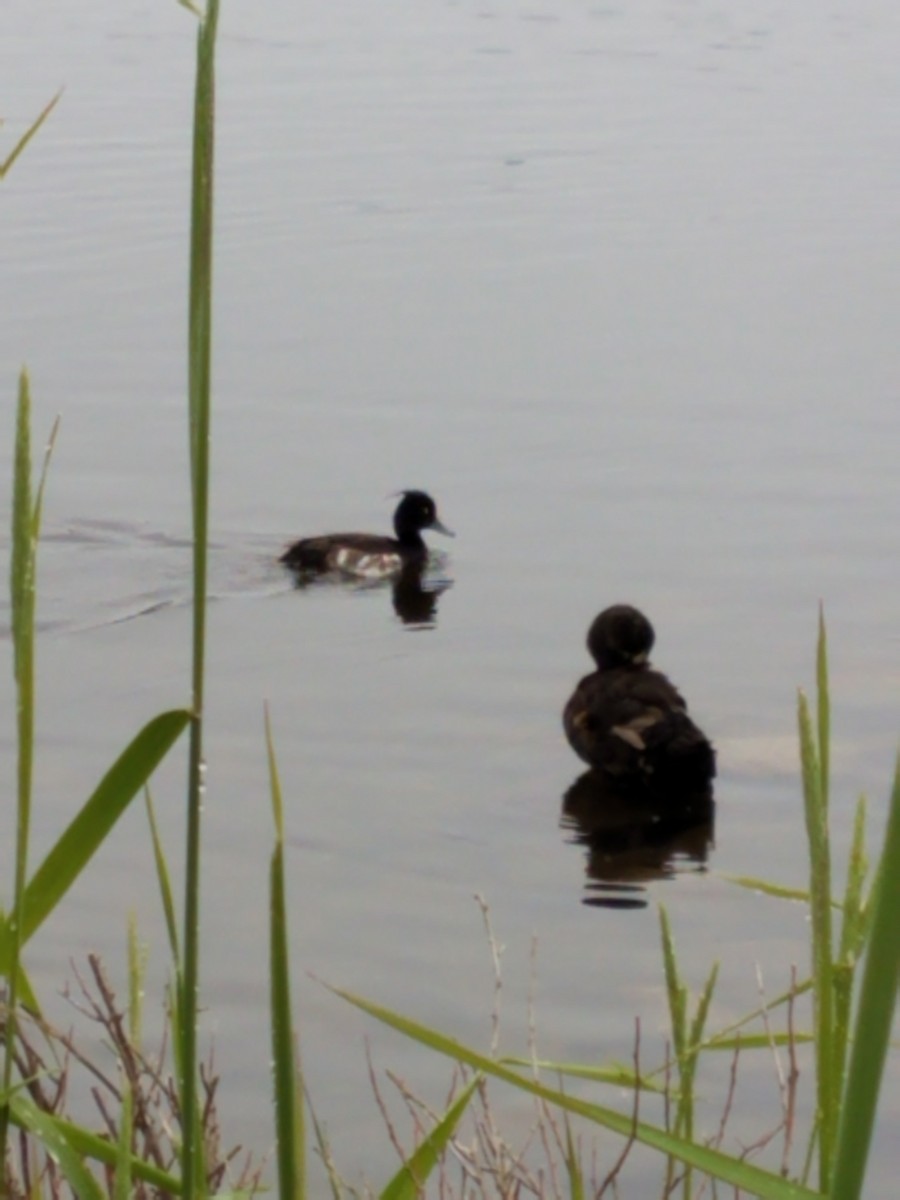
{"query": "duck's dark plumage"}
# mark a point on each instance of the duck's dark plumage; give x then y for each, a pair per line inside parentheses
(370, 555)
(630, 720)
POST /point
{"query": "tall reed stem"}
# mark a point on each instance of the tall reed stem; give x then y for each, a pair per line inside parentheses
(22, 606)
(26, 525)
(199, 358)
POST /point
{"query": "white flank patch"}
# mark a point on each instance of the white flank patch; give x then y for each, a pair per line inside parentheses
(366, 566)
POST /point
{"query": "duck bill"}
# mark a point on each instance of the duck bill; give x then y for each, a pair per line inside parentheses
(439, 528)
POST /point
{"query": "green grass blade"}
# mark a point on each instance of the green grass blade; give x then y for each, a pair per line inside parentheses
(756, 1041)
(164, 880)
(675, 990)
(853, 933)
(101, 1149)
(779, 891)
(615, 1074)
(199, 365)
(54, 1139)
(823, 711)
(37, 510)
(573, 1167)
(410, 1180)
(874, 1018)
(820, 914)
(755, 1180)
(853, 925)
(27, 998)
(137, 964)
(290, 1134)
(22, 558)
(6, 164)
(22, 603)
(74, 849)
(688, 1069)
(754, 1015)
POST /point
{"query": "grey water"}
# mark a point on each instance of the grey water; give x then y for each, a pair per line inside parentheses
(618, 285)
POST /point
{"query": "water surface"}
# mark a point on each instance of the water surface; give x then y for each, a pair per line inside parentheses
(617, 285)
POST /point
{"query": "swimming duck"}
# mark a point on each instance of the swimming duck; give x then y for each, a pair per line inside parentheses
(370, 555)
(630, 720)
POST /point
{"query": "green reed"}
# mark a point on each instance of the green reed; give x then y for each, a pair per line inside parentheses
(290, 1136)
(815, 764)
(687, 1038)
(26, 523)
(35, 898)
(199, 408)
(874, 1018)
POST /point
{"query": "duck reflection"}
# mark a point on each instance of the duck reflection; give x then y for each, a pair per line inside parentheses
(631, 841)
(415, 597)
(414, 594)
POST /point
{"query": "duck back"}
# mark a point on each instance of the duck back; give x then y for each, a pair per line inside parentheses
(351, 553)
(633, 723)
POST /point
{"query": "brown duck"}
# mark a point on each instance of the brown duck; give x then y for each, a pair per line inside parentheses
(631, 721)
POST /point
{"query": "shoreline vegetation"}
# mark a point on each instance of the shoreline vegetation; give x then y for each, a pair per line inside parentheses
(157, 1131)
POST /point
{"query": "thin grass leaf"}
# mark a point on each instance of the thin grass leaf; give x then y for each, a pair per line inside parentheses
(755, 1015)
(820, 914)
(874, 1018)
(675, 990)
(38, 508)
(823, 712)
(100, 1149)
(137, 963)
(853, 925)
(755, 1180)
(573, 1166)
(615, 1074)
(809, 765)
(290, 1134)
(699, 1022)
(174, 990)
(26, 137)
(843, 976)
(199, 406)
(779, 891)
(26, 995)
(22, 601)
(410, 1180)
(164, 880)
(86, 833)
(57, 1144)
(756, 1041)
(22, 556)
(687, 1068)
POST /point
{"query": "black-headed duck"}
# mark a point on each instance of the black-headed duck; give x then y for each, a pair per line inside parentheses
(631, 721)
(371, 555)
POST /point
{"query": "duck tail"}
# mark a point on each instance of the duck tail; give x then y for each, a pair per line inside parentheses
(679, 755)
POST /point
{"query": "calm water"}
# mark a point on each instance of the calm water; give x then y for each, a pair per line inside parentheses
(618, 284)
